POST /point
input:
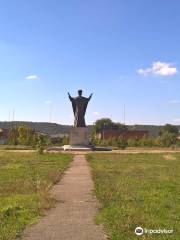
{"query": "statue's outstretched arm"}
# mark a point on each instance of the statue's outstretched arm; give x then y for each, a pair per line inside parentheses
(69, 96)
(90, 96)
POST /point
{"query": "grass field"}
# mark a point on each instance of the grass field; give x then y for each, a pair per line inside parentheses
(137, 190)
(15, 147)
(25, 179)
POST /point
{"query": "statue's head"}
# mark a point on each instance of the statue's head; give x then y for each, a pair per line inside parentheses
(80, 92)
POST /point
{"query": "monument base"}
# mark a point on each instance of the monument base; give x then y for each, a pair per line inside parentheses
(78, 140)
(79, 136)
(77, 148)
(69, 148)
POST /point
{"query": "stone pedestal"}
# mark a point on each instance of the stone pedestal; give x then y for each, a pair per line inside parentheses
(79, 136)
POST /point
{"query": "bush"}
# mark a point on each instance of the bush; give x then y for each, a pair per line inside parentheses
(170, 129)
(178, 142)
(167, 139)
(121, 143)
(40, 145)
(13, 136)
(146, 142)
(133, 142)
(26, 137)
(65, 140)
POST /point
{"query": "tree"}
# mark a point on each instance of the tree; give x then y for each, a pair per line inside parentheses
(167, 139)
(169, 129)
(22, 138)
(103, 123)
(107, 123)
(30, 136)
(34, 140)
(168, 135)
(13, 136)
(120, 126)
(40, 144)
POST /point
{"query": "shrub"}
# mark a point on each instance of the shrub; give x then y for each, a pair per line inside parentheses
(133, 142)
(121, 143)
(146, 142)
(40, 145)
(167, 139)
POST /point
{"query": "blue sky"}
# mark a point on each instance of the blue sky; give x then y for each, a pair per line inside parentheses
(124, 51)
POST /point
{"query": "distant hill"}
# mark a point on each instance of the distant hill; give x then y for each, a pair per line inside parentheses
(54, 128)
(43, 127)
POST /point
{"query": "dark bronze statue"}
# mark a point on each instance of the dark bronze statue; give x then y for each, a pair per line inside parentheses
(79, 105)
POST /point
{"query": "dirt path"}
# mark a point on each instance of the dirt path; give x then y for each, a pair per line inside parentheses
(126, 151)
(73, 219)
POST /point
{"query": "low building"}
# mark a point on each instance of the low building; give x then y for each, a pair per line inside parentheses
(116, 133)
(3, 136)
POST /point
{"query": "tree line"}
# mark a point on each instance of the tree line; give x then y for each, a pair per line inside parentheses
(168, 136)
(26, 136)
(23, 135)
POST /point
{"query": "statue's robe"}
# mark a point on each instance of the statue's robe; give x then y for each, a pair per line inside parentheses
(79, 105)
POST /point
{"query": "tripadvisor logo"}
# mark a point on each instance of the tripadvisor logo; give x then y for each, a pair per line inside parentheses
(139, 231)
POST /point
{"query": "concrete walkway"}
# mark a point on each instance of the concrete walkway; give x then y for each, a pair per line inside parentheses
(73, 218)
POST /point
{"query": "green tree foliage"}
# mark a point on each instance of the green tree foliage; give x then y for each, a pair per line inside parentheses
(13, 136)
(167, 139)
(168, 128)
(40, 144)
(103, 123)
(146, 142)
(65, 140)
(60, 141)
(22, 135)
(121, 143)
(107, 123)
(26, 136)
(168, 135)
(34, 140)
(133, 142)
(29, 136)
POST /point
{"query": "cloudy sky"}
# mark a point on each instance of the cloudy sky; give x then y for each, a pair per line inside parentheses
(124, 51)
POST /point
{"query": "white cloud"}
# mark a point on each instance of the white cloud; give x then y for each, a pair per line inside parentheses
(97, 114)
(159, 68)
(32, 77)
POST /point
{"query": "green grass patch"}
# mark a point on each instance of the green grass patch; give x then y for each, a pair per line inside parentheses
(15, 147)
(137, 190)
(25, 180)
